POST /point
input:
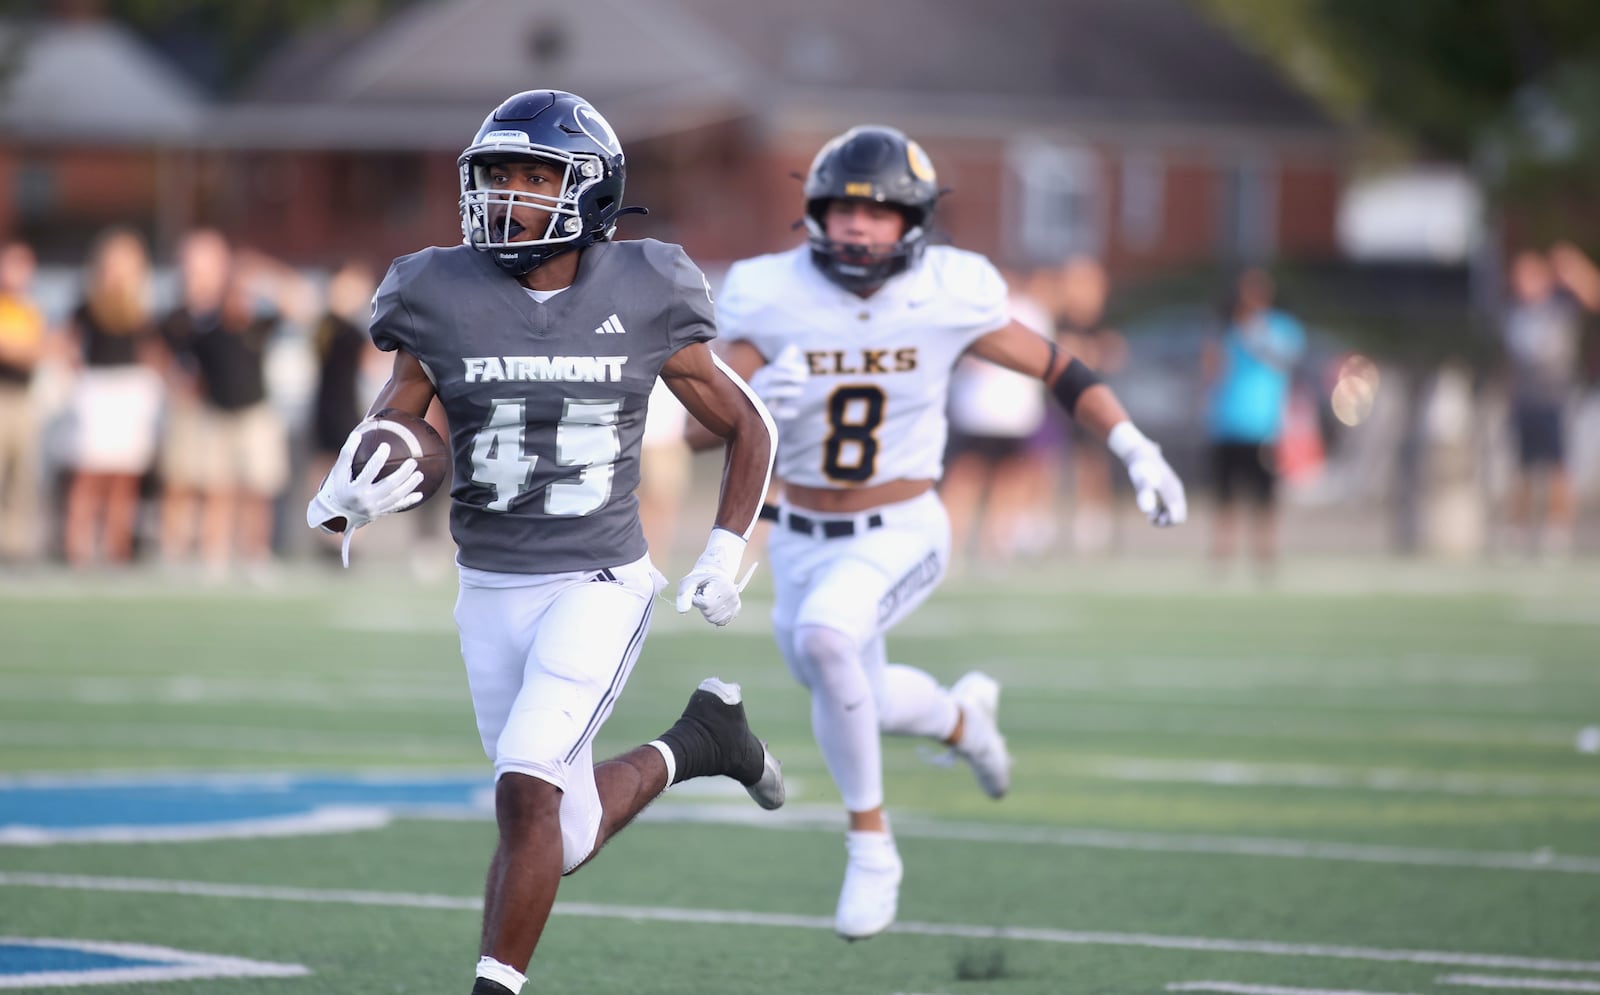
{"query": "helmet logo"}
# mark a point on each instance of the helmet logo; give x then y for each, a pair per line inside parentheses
(505, 137)
(858, 190)
(921, 165)
(596, 128)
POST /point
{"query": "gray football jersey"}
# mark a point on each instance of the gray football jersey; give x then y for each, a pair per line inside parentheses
(546, 401)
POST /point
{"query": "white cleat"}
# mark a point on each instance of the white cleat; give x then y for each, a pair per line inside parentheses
(871, 893)
(981, 745)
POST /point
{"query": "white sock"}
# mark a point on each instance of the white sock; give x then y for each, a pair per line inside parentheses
(871, 847)
(666, 754)
(495, 971)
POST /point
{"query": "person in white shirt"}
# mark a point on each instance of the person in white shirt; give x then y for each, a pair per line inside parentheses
(850, 340)
(988, 466)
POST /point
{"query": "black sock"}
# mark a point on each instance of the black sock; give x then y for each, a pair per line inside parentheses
(712, 739)
(693, 748)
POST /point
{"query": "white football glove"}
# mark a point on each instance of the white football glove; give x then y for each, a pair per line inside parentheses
(780, 383)
(1156, 487)
(360, 498)
(710, 586)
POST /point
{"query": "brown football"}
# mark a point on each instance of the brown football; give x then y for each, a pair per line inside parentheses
(409, 437)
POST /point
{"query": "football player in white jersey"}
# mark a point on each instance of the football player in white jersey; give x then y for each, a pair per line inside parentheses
(850, 339)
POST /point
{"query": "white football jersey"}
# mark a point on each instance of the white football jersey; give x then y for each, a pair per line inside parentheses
(874, 408)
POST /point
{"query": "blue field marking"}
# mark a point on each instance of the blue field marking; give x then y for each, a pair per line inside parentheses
(42, 810)
(28, 962)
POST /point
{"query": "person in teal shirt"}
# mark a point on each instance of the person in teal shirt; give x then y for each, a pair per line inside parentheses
(1248, 371)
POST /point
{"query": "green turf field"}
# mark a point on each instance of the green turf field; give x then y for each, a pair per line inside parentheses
(1363, 779)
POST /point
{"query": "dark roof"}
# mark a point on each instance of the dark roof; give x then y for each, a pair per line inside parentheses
(428, 76)
(424, 77)
(1124, 61)
(93, 83)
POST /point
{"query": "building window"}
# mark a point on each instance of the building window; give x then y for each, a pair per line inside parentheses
(1248, 220)
(1055, 205)
(35, 191)
(1144, 202)
(379, 188)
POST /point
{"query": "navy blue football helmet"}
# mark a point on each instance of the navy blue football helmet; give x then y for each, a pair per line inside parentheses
(556, 127)
(876, 163)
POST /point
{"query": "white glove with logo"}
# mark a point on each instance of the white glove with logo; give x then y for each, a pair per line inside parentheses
(710, 586)
(360, 498)
(780, 383)
(1157, 489)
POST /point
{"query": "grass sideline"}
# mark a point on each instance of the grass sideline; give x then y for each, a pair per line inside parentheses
(1215, 782)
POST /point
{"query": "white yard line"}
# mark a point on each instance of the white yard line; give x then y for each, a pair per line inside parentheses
(1231, 773)
(1545, 613)
(321, 821)
(735, 917)
(350, 689)
(794, 817)
(1527, 984)
(908, 826)
(270, 741)
(1240, 988)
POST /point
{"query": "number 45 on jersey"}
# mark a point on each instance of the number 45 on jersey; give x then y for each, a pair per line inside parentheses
(587, 437)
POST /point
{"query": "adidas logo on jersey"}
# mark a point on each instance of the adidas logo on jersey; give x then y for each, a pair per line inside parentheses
(612, 326)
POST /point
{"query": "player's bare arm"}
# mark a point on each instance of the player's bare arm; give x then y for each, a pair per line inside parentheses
(725, 413)
(727, 408)
(743, 359)
(408, 387)
(351, 497)
(1016, 347)
(1092, 404)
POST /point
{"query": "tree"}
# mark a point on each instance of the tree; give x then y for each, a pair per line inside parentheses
(1509, 87)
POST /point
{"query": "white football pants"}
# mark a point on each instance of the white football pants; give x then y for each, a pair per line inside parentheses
(546, 657)
(836, 599)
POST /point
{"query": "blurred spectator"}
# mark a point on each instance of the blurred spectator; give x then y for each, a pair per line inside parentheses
(1081, 330)
(116, 400)
(1249, 372)
(993, 413)
(246, 444)
(22, 336)
(1543, 333)
(203, 262)
(346, 361)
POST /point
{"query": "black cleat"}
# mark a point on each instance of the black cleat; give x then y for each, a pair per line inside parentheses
(716, 712)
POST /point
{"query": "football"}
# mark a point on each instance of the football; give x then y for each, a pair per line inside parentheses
(409, 437)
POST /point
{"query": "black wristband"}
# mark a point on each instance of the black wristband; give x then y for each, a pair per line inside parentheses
(1071, 384)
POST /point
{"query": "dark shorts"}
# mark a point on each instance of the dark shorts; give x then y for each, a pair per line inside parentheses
(1244, 468)
(989, 448)
(1541, 434)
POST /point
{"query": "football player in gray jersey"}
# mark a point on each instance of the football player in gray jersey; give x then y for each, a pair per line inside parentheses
(542, 338)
